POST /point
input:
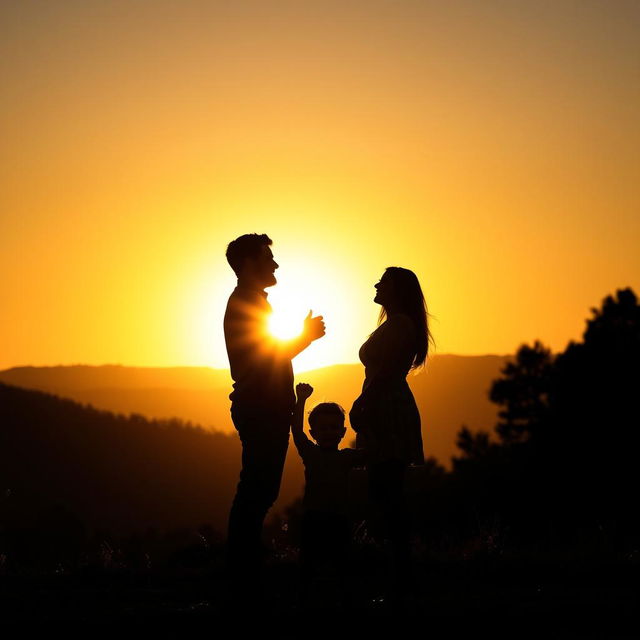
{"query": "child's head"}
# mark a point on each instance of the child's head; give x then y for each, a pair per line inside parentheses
(326, 424)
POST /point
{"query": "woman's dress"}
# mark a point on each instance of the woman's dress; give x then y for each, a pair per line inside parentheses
(385, 416)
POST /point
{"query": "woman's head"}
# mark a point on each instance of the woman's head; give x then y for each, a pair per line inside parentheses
(399, 291)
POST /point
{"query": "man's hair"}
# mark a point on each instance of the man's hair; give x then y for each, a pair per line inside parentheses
(326, 409)
(246, 246)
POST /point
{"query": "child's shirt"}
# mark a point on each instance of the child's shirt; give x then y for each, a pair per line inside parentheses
(326, 475)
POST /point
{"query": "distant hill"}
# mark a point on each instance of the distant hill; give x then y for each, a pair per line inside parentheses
(129, 471)
(451, 391)
(101, 472)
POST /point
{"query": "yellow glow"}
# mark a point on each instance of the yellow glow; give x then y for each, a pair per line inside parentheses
(306, 284)
(284, 325)
(490, 147)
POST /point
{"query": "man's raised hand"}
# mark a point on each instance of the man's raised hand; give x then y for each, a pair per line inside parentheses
(313, 327)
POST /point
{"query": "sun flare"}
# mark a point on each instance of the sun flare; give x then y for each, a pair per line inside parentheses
(284, 325)
(303, 287)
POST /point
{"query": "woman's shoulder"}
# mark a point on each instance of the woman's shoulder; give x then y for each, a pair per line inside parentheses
(396, 331)
(400, 322)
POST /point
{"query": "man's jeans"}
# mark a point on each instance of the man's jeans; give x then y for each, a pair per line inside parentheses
(264, 448)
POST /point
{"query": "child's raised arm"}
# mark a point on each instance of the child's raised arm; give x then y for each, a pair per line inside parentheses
(303, 391)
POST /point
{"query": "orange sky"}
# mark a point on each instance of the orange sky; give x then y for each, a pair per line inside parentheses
(491, 146)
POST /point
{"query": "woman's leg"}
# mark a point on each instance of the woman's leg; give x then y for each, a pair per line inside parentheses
(386, 488)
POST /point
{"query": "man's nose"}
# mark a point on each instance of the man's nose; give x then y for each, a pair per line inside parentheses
(276, 265)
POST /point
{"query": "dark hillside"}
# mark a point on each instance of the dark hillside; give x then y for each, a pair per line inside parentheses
(111, 472)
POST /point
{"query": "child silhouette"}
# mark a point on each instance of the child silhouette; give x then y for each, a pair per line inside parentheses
(325, 530)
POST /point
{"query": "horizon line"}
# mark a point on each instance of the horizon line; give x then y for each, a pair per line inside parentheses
(214, 368)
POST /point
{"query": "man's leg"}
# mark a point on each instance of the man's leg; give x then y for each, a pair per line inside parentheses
(264, 449)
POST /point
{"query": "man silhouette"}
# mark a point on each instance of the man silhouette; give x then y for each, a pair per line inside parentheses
(262, 399)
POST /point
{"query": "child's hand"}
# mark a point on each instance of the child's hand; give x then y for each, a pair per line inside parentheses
(303, 390)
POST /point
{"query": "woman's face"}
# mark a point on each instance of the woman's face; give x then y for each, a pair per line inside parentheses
(384, 290)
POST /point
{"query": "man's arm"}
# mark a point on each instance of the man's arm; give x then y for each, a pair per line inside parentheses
(248, 339)
(303, 391)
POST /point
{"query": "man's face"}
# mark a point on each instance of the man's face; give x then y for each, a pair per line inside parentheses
(264, 267)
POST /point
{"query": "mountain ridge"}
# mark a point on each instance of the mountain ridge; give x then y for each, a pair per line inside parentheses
(451, 391)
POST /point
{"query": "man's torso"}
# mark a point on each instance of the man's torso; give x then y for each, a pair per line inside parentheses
(263, 380)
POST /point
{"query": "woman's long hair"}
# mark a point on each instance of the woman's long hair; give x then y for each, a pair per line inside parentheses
(410, 301)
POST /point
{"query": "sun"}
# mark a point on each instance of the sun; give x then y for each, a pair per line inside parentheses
(287, 319)
(306, 282)
(284, 327)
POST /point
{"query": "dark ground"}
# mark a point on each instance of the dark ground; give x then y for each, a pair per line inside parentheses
(498, 590)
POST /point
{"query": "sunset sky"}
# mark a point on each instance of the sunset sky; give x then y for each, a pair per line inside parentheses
(490, 146)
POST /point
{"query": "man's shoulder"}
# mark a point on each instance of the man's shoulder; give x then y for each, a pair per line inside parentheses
(241, 302)
(237, 295)
(243, 297)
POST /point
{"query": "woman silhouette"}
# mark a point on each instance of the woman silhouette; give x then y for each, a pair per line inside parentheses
(385, 416)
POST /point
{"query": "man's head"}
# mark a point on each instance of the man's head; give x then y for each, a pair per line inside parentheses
(326, 424)
(251, 259)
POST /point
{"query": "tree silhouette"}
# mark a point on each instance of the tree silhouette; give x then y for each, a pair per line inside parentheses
(473, 445)
(594, 411)
(523, 394)
(568, 442)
